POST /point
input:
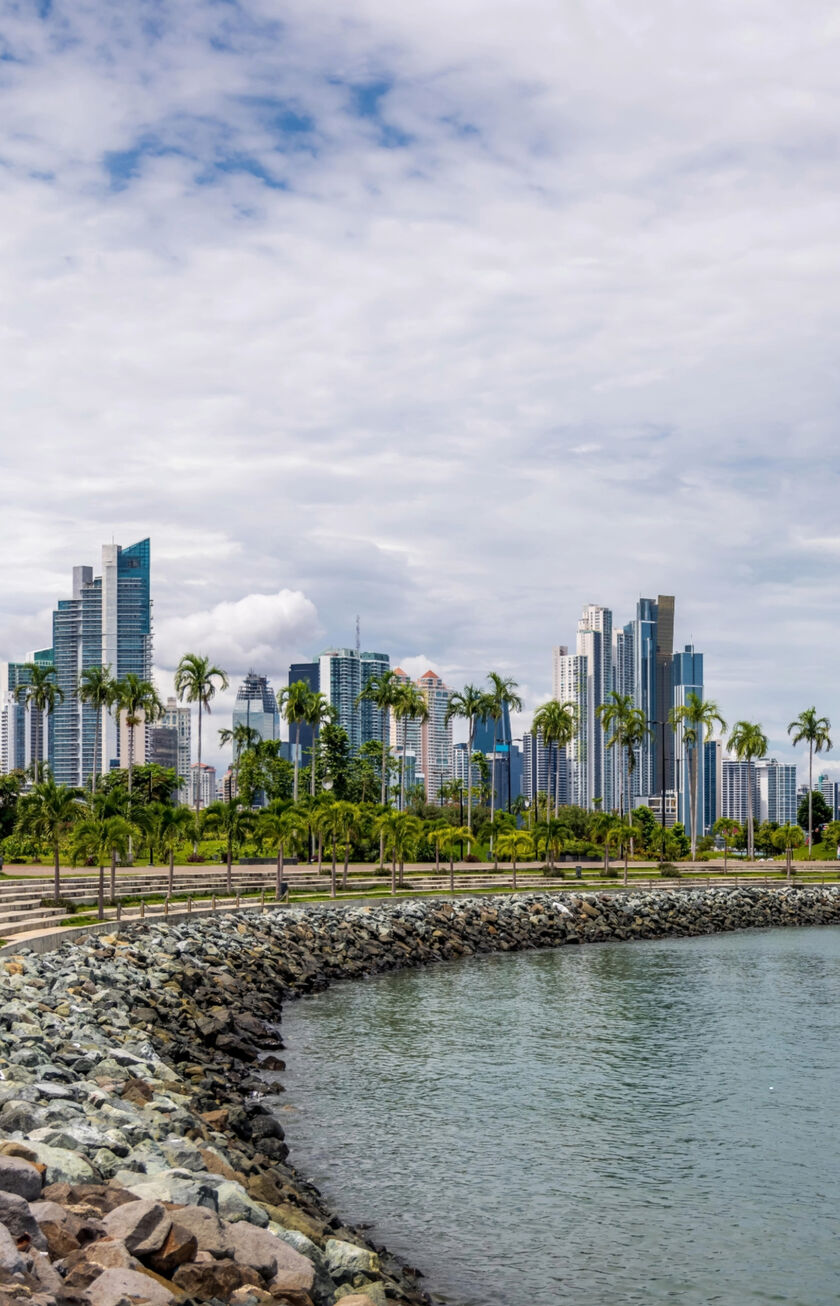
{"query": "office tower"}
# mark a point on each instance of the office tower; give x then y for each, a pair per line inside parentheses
(202, 785)
(256, 707)
(178, 717)
(830, 791)
(467, 775)
(405, 731)
(163, 746)
(775, 786)
(435, 735)
(24, 731)
(570, 681)
(737, 790)
(310, 674)
(373, 724)
(494, 738)
(594, 643)
(712, 782)
(343, 673)
(687, 678)
(107, 622)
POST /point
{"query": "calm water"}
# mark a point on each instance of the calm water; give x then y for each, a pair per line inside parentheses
(600, 1126)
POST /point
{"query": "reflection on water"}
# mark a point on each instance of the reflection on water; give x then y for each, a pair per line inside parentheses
(613, 1124)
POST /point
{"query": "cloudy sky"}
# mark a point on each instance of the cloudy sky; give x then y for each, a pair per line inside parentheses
(453, 315)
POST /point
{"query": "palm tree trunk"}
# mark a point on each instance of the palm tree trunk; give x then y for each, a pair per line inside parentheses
(437, 857)
(312, 764)
(100, 897)
(514, 874)
(332, 871)
(297, 760)
(57, 873)
(556, 781)
(493, 792)
(402, 873)
(810, 799)
(697, 808)
(171, 885)
(198, 777)
(452, 869)
(394, 870)
(346, 860)
(625, 863)
(130, 786)
(229, 867)
(691, 817)
(749, 810)
(470, 738)
(96, 750)
(402, 767)
(606, 855)
(320, 852)
(113, 874)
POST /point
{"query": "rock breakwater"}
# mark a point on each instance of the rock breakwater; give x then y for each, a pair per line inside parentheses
(138, 1159)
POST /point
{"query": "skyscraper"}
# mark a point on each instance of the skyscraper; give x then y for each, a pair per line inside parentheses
(310, 674)
(24, 731)
(107, 622)
(343, 674)
(570, 681)
(178, 716)
(435, 736)
(687, 678)
(256, 707)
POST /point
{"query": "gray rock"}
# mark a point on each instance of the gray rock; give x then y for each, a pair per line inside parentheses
(48, 1212)
(17, 1116)
(19, 1220)
(182, 1153)
(63, 1166)
(324, 1285)
(179, 1186)
(19, 1177)
(265, 1253)
(205, 1225)
(10, 1257)
(234, 1204)
(113, 1286)
(344, 1259)
(142, 1226)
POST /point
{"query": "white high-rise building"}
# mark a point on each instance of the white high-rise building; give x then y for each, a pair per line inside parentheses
(595, 643)
(435, 736)
(203, 786)
(178, 716)
(343, 674)
(570, 682)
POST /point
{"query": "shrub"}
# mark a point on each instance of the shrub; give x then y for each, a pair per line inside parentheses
(611, 873)
(669, 871)
(196, 857)
(472, 857)
(554, 872)
(64, 903)
(17, 849)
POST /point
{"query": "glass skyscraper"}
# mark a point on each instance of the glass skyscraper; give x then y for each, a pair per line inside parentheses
(256, 707)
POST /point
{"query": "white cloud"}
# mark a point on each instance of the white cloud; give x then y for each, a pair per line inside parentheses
(259, 631)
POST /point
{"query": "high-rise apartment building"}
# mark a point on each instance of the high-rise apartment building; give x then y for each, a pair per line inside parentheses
(435, 736)
(539, 772)
(256, 707)
(771, 784)
(178, 717)
(24, 731)
(687, 678)
(406, 733)
(712, 783)
(570, 681)
(343, 674)
(202, 785)
(106, 622)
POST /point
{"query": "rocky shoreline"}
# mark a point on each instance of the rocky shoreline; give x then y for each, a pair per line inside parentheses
(138, 1160)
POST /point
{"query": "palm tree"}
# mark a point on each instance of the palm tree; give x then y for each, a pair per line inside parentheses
(808, 726)
(621, 832)
(748, 742)
(456, 836)
(502, 695)
(41, 692)
(471, 704)
(408, 705)
(318, 713)
(47, 813)
(402, 830)
(327, 822)
(515, 845)
(629, 727)
(553, 833)
(242, 738)
(280, 827)
(788, 837)
(169, 826)
(728, 830)
(437, 834)
(351, 822)
(381, 691)
(699, 718)
(233, 823)
(140, 701)
(603, 825)
(196, 680)
(102, 838)
(96, 689)
(557, 723)
(294, 702)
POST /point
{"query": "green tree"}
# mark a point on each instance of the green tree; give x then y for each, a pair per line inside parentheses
(437, 834)
(557, 723)
(101, 839)
(408, 704)
(197, 681)
(503, 694)
(553, 834)
(728, 830)
(294, 702)
(140, 702)
(647, 829)
(382, 690)
(234, 824)
(402, 832)
(96, 690)
(48, 813)
(282, 828)
(318, 714)
(456, 836)
(514, 846)
(11, 786)
(628, 726)
(351, 820)
(699, 719)
(813, 730)
(749, 743)
(41, 692)
(334, 758)
(812, 812)
(786, 838)
(621, 834)
(169, 826)
(470, 704)
(242, 738)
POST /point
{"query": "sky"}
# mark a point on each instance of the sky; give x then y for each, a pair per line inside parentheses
(453, 316)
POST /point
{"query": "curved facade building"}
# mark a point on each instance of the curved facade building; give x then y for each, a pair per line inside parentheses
(256, 707)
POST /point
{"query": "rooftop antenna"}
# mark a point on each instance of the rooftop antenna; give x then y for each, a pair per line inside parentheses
(358, 635)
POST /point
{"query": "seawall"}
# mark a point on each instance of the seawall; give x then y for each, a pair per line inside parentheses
(137, 1161)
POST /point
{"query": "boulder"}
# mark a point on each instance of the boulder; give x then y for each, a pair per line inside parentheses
(17, 1176)
(209, 1232)
(10, 1257)
(112, 1287)
(80, 1268)
(180, 1246)
(346, 1259)
(235, 1204)
(178, 1186)
(63, 1166)
(143, 1226)
(355, 1299)
(216, 1279)
(19, 1220)
(270, 1256)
